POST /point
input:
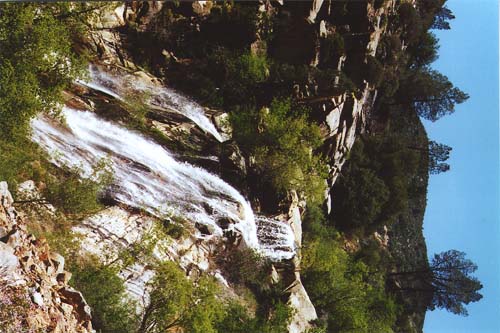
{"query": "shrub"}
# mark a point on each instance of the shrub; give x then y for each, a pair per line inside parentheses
(245, 266)
(252, 68)
(74, 194)
(105, 292)
(345, 292)
(282, 140)
(175, 301)
(238, 320)
(36, 63)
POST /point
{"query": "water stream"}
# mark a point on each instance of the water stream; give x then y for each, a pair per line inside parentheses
(148, 176)
(156, 94)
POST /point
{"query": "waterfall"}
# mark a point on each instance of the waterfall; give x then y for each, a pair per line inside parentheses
(163, 97)
(147, 176)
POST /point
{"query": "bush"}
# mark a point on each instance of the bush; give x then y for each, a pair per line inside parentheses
(36, 63)
(74, 194)
(105, 292)
(18, 165)
(238, 320)
(245, 266)
(345, 291)
(252, 68)
(282, 141)
(175, 301)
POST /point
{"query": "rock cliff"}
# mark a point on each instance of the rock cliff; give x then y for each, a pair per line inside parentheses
(33, 281)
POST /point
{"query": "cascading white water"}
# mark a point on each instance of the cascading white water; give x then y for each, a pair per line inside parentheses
(160, 96)
(147, 176)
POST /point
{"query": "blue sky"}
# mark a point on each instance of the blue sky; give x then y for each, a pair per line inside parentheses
(463, 204)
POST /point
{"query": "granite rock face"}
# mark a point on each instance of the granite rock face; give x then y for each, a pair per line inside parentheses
(33, 278)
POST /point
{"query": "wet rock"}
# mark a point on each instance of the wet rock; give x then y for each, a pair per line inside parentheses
(232, 159)
(115, 228)
(221, 121)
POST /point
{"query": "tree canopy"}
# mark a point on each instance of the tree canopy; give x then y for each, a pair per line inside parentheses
(449, 281)
(452, 283)
(36, 62)
(430, 93)
(438, 153)
(441, 19)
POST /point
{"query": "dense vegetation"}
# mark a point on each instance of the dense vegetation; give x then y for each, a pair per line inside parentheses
(348, 291)
(177, 302)
(257, 73)
(247, 63)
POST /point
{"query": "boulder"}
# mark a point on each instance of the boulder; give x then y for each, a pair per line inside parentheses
(8, 262)
(303, 309)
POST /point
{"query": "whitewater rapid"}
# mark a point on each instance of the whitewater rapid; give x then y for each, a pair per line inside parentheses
(157, 95)
(148, 177)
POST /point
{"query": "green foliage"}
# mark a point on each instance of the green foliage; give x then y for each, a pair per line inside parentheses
(238, 320)
(17, 165)
(176, 302)
(240, 17)
(175, 226)
(438, 154)
(441, 19)
(424, 52)
(331, 50)
(282, 141)
(431, 93)
(410, 22)
(347, 293)
(362, 195)
(245, 266)
(36, 63)
(447, 279)
(137, 107)
(104, 291)
(373, 188)
(452, 282)
(374, 71)
(253, 68)
(76, 195)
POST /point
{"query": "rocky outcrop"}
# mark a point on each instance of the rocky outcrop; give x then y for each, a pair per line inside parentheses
(345, 115)
(115, 229)
(303, 309)
(28, 266)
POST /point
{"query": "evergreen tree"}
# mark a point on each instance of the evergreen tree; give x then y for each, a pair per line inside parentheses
(431, 93)
(438, 153)
(448, 280)
(441, 19)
